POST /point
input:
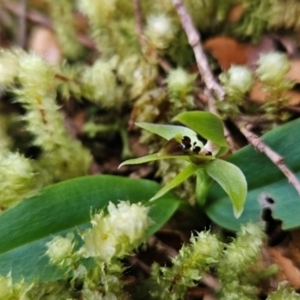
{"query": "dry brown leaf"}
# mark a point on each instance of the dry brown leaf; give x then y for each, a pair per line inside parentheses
(227, 51)
(256, 94)
(44, 42)
(287, 270)
(294, 73)
(292, 251)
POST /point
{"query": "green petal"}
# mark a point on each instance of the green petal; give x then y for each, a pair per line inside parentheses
(232, 180)
(204, 123)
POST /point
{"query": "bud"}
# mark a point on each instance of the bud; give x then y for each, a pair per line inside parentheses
(207, 247)
(117, 233)
(98, 11)
(102, 83)
(237, 81)
(243, 251)
(16, 173)
(137, 73)
(284, 291)
(130, 220)
(272, 67)
(100, 240)
(180, 82)
(35, 73)
(160, 30)
(60, 249)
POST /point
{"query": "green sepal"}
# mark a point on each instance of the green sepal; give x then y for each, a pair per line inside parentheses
(178, 179)
(152, 157)
(204, 123)
(232, 180)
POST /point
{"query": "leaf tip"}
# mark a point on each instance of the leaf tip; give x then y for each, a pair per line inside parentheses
(122, 164)
(237, 212)
(155, 197)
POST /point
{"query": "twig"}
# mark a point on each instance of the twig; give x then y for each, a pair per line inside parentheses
(194, 41)
(212, 86)
(21, 35)
(278, 160)
(138, 21)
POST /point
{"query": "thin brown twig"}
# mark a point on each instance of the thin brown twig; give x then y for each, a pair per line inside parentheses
(278, 160)
(195, 42)
(21, 35)
(212, 86)
(138, 20)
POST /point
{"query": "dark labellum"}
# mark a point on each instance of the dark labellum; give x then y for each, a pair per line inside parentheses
(185, 147)
(186, 143)
(173, 147)
(196, 149)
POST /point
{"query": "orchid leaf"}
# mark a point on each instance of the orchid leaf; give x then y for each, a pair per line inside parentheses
(181, 177)
(168, 131)
(232, 180)
(205, 124)
(66, 207)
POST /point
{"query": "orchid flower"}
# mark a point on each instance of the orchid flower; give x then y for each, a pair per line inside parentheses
(204, 162)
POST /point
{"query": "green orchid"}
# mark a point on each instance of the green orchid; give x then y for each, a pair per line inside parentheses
(204, 162)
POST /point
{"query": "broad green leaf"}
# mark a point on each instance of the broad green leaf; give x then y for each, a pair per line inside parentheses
(178, 179)
(263, 177)
(168, 131)
(204, 123)
(232, 180)
(203, 184)
(65, 207)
